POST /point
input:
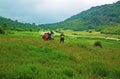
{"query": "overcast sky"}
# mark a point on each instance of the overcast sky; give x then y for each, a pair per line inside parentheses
(45, 11)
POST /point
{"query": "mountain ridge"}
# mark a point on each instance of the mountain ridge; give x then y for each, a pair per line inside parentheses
(98, 18)
(101, 18)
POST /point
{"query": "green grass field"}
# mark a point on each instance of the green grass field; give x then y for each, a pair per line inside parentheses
(25, 55)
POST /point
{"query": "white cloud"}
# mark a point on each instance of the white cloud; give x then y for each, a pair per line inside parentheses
(45, 11)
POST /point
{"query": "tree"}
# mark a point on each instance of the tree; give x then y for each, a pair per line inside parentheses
(2, 31)
(4, 26)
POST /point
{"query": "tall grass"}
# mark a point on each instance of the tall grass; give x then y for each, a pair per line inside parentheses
(24, 56)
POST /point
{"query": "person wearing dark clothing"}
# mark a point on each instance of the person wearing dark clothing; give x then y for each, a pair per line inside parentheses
(62, 37)
(51, 36)
(51, 32)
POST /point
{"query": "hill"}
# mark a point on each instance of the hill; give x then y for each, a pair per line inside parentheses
(100, 18)
(8, 24)
(105, 18)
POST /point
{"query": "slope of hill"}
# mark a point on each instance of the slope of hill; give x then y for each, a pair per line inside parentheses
(9, 24)
(99, 18)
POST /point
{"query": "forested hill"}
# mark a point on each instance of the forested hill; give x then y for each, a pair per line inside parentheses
(102, 18)
(9, 24)
(105, 18)
(109, 11)
(100, 15)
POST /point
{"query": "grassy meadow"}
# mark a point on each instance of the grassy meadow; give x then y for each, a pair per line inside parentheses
(24, 55)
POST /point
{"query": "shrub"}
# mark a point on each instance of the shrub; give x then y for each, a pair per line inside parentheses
(90, 31)
(98, 43)
(69, 72)
(2, 31)
(87, 30)
(83, 46)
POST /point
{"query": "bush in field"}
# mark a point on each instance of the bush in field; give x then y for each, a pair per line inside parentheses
(69, 72)
(2, 31)
(90, 31)
(98, 43)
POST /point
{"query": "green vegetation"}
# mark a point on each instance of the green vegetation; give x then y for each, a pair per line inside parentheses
(2, 31)
(91, 49)
(8, 24)
(101, 18)
(24, 55)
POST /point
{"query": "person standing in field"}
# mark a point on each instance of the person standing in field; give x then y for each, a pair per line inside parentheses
(62, 37)
(51, 36)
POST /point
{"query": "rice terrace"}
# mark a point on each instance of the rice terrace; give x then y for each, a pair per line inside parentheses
(90, 48)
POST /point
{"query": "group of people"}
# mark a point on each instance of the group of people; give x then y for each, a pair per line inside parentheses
(49, 36)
